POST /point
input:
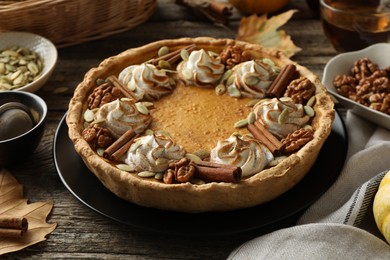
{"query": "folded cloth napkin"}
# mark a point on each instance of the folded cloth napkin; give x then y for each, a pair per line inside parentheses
(340, 224)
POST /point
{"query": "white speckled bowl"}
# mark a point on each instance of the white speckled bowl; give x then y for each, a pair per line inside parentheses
(342, 64)
(45, 48)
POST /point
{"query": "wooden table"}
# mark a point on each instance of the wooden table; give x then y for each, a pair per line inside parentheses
(81, 232)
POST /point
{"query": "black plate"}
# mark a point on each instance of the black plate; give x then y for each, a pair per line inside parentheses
(89, 190)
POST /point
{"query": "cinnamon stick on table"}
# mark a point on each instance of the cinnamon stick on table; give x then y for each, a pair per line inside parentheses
(11, 226)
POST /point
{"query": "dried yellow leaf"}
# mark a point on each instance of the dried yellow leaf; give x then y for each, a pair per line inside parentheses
(264, 31)
(12, 203)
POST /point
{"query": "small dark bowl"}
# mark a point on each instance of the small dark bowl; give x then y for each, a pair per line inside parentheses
(19, 148)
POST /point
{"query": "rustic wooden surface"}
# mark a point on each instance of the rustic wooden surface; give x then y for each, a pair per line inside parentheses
(84, 234)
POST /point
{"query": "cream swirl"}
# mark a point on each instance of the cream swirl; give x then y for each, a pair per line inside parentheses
(280, 117)
(201, 69)
(242, 151)
(253, 78)
(121, 115)
(152, 153)
(146, 81)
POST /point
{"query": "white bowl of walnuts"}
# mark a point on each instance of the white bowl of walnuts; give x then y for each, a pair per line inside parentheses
(27, 61)
(360, 81)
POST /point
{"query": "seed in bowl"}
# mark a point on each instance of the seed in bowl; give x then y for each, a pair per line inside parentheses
(19, 66)
(367, 84)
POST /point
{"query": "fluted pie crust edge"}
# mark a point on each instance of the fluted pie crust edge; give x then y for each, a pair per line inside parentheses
(187, 197)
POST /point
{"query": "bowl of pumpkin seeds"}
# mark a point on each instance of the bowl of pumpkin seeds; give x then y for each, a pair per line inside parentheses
(27, 61)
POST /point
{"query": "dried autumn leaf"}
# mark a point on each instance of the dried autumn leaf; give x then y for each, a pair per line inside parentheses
(264, 31)
(12, 203)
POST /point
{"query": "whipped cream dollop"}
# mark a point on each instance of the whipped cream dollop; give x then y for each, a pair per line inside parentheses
(280, 116)
(153, 152)
(253, 78)
(146, 81)
(122, 115)
(201, 69)
(242, 151)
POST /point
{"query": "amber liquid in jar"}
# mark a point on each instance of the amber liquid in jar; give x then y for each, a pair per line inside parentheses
(357, 30)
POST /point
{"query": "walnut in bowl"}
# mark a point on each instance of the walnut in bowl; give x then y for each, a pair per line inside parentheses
(360, 81)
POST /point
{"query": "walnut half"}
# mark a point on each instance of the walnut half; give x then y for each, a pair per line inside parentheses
(297, 139)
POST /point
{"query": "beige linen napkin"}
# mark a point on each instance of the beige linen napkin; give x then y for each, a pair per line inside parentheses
(339, 225)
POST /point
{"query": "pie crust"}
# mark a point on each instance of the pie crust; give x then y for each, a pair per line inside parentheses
(186, 197)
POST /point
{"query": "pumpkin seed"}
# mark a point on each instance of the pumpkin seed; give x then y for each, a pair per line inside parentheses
(226, 75)
(308, 127)
(282, 118)
(163, 51)
(241, 123)
(311, 101)
(146, 174)
(100, 81)
(134, 147)
(14, 64)
(268, 61)
(277, 160)
(149, 132)
(234, 92)
(213, 54)
(20, 80)
(187, 74)
(220, 89)
(252, 103)
(309, 111)
(124, 167)
(184, 54)
(285, 99)
(202, 154)
(147, 104)
(88, 115)
(251, 118)
(2, 67)
(159, 176)
(141, 108)
(163, 64)
(252, 80)
(100, 152)
(193, 157)
(162, 162)
(33, 67)
(61, 90)
(230, 80)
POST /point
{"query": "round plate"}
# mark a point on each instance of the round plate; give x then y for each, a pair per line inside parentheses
(89, 190)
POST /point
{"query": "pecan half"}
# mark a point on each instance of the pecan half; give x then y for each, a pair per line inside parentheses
(297, 139)
(97, 136)
(103, 94)
(233, 55)
(300, 90)
(179, 171)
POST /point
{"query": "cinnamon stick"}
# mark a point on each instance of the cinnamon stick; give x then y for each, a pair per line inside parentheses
(221, 174)
(174, 56)
(11, 226)
(118, 148)
(279, 85)
(121, 151)
(214, 165)
(264, 136)
(11, 232)
(125, 91)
